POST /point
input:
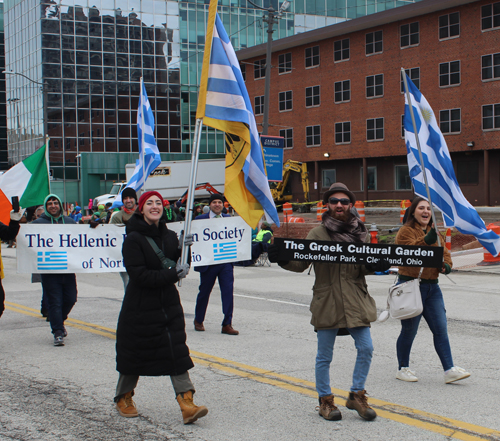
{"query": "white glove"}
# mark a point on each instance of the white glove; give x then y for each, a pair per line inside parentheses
(182, 270)
(17, 215)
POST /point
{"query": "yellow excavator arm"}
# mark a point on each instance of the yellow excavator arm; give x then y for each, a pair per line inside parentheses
(291, 166)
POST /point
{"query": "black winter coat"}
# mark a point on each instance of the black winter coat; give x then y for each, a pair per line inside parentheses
(151, 336)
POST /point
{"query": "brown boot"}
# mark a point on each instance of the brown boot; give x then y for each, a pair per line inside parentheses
(228, 329)
(358, 401)
(126, 406)
(327, 409)
(190, 412)
(198, 326)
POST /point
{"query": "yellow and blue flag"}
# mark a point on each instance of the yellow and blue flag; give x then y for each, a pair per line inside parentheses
(224, 104)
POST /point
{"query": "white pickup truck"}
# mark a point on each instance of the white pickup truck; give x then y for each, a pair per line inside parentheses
(171, 179)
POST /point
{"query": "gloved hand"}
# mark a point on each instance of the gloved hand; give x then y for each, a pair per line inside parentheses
(185, 241)
(431, 236)
(446, 268)
(17, 215)
(182, 270)
(93, 223)
(380, 266)
(273, 255)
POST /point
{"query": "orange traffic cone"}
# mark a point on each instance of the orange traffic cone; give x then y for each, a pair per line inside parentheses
(360, 206)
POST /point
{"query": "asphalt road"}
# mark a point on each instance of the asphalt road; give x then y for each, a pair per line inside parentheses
(258, 385)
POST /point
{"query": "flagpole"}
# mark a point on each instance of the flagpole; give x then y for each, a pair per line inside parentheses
(191, 187)
(143, 147)
(47, 158)
(410, 107)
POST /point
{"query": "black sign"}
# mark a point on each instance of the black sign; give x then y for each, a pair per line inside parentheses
(160, 171)
(359, 253)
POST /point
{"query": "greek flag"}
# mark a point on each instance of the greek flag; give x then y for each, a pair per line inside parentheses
(149, 155)
(443, 186)
(224, 104)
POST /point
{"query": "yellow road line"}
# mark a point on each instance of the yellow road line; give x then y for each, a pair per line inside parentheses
(394, 412)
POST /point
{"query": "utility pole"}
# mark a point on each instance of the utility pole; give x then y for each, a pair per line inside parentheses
(270, 19)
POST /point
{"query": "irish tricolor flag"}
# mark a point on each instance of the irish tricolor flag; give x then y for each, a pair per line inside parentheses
(29, 180)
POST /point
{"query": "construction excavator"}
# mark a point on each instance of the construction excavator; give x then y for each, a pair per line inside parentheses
(288, 167)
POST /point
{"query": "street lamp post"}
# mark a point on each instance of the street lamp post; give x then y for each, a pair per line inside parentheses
(271, 19)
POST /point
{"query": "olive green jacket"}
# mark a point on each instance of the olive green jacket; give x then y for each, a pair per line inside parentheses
(340, 295)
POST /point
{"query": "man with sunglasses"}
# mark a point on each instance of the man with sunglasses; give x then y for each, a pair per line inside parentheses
(341, 304)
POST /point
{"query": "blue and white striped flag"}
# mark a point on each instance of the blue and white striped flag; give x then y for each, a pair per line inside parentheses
(443, 186)
(149, 155)
(224, 104)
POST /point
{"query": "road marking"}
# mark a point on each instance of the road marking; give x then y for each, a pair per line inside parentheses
(391, 411)
(269, 300)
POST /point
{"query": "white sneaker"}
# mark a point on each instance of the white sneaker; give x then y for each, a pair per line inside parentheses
(454, 374)
(406, 374)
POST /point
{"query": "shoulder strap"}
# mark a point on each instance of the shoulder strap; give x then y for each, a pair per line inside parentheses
(167, 263)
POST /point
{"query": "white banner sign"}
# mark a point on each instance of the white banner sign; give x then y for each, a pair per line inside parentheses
(46, 248)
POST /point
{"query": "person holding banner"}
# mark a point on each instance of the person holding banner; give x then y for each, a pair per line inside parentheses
(60, 289)
(418, 230)
(341, 304)
(210, 273)
(8, 232)
(151, 332)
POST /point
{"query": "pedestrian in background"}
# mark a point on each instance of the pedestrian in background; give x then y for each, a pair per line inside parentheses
(341, 304)
(418, 230)
(151, 334)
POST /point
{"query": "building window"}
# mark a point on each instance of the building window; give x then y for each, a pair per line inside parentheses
(375, 129)
(468, 172)
(449, 73)
(259, 105)
(343, 91)
(490, 67)
(287, 134)
(449, 121)
(312, 96)
(491, 117)
(414, 74)
(403, 180)
(341, 50)
(312, 56)
(313, 136)
(410, 35)
(490, 16)
(285, 63)
(328, 177)
(449, 25)
(343, 132)
(285, 99)
(243, 68)
(372, 178)
(259, 69)
(374, 43)
(375, 86)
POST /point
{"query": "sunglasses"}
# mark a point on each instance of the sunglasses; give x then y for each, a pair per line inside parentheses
(335, 201)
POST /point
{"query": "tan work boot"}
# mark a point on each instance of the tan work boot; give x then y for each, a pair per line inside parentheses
(190, 412)
(126, 406)
(358, 401)
(327, 409)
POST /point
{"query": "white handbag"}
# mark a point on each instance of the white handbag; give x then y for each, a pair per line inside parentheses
(404, 300)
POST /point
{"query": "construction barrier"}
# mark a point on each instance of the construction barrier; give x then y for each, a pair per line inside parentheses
(287, 209)
(319, 211)
(404, 205)
(448, 239)
(360, 207)
(294, 219)
(373, 233)
(489, 259)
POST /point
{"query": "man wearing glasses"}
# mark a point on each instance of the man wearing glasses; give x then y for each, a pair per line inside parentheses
(341, 304)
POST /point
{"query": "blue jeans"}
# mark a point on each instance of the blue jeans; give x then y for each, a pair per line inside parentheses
(326, 340)
(60, 290)
(435, 315)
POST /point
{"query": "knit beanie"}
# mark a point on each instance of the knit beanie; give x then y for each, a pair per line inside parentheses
(145, 196)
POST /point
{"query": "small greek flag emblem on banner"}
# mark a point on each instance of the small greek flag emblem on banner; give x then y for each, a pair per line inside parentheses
(225, 251)
(52, 260)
